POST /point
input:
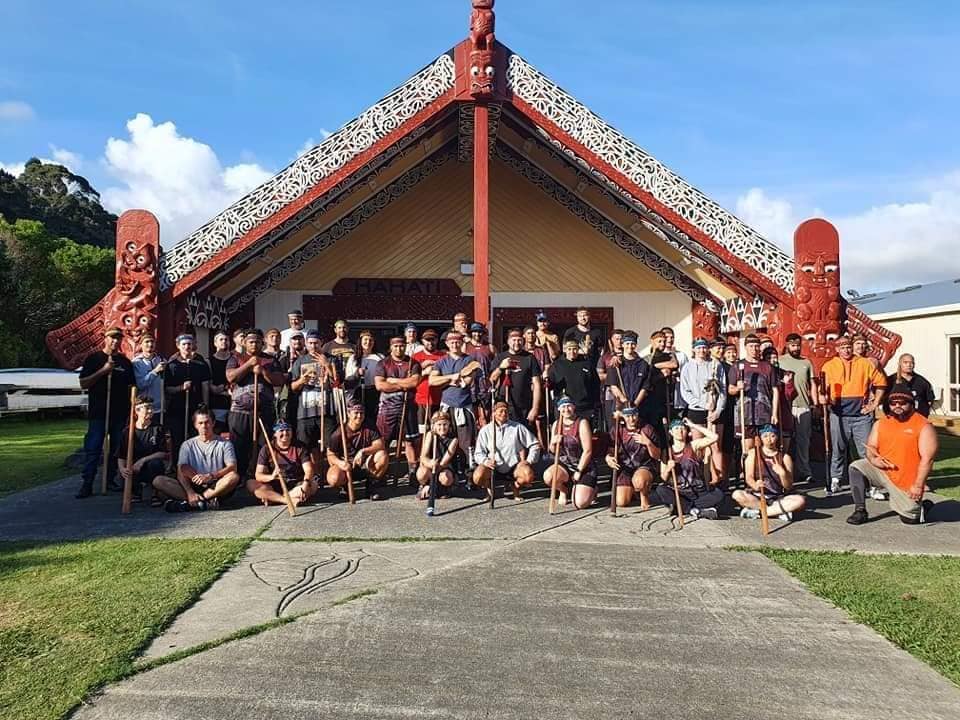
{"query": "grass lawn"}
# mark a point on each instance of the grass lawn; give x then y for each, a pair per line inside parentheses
(948, 463)
(75, 615)
(910, 600)
(33, 451)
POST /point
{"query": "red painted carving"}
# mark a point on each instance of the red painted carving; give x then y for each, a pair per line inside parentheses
(482, 71)
(883, 342)
(706, 324)
(819, 309)
(131, 305)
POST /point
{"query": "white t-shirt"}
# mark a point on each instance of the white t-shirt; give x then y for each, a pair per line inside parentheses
(285, 336)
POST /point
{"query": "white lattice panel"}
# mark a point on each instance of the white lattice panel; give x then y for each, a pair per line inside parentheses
(648, 173)
(312, 167)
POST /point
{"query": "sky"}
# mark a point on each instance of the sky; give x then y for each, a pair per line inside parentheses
(779, 111)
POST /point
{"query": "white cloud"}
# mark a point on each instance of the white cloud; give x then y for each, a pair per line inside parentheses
(882, 247)
(70, 160)
(15, 110)
(14, 169)
(177, 178)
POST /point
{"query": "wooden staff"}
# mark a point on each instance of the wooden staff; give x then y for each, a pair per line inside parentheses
(556, 463)
(341, 403)
(131, 431)
(106, 435)
(256, 416)
(827, 445)
(403, 420)
(758, 475)
(434, 479)
(186, 405)
(616, 459)
(163, 392)
(743, 420)
(291, 510)
(493, 470)
(673, 472)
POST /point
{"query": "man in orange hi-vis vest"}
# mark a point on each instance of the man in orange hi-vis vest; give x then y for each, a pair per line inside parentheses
(900, 453)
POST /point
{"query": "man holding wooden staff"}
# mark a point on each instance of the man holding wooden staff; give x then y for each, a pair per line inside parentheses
(636, 461)
(396, 378)
(186, 382)
(252, 370)
(106, 375)
(755, 383)
(309, 384)
(358, 452)
(519, 371)
(517, 451)
(295, 465)
(150, 455)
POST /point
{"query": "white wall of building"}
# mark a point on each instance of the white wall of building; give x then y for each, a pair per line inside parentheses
(926, 335)
(272, 307)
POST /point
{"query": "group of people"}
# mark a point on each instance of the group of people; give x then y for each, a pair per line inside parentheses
(670, 429)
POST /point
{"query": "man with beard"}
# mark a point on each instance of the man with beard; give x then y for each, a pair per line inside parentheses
(309, 384)
(901, 449)
(802, 370)
(295, 321)
(546, 337)
(456, 373)
(396, 379)
(573, 375)
(219, 388)
(97, 367)
(588, 338)
(517, 451)
(253, 368)
(517, 374)
(427, 398)
(923, 393)
(366, 458)
(343, 354)
(295, 464)
(608, 370)
(186, 381)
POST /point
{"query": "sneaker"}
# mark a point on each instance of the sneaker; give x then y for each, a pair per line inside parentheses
(749, 513)
(785, 517)
(834, 486)
(176, 506)
(709, 513)
(925, 507)
(373, 491)
(695, 513)
(858, 516)
(877, 494)
(85, 491)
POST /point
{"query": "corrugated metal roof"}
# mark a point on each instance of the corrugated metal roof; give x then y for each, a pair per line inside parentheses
(911, 297)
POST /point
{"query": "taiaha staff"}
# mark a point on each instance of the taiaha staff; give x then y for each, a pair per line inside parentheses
(403, 419)
(434, 479)
(668, 449)
(493, 470)
(616, 460)
(106, 433)
(256, 416)
(128, 480)
(291, 510)
(758, 476)
(764, 516)
(552, 507)
(827, 445)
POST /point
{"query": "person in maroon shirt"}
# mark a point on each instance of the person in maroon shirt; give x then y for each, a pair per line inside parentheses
(366, 454)
(396, 379)
(295, 464)
(757, 380)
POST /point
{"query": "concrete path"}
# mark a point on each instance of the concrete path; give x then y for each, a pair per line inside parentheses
(546, 629)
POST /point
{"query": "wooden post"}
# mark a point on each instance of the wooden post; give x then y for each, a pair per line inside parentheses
(481, 218)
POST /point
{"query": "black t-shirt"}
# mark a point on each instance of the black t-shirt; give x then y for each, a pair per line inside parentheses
(523, 368)
(576, 379)
(291, 461)
(218, 376)
(120, 382)
(590, 342)
(148, 441)
(922, 392)
(177, 372)
(657, 400)
(242, 392)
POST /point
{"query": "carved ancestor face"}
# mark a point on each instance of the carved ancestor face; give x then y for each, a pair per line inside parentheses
(819, 266)
(483, 4)
(138, 258)
(482, 73)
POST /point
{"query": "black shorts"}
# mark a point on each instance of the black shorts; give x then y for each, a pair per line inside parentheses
(698, 417)
(625, 474)
(388, 423)
(588, 477)
(308, 432)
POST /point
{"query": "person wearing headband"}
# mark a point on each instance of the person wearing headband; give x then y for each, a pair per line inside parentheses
(296, 465)
(310, 390)
(150, 457)
(295, 324)
(685, 460)
(573, 375)
(573, 440)
(900, 451)
(637, 461)
(517, 451)
(186, 382)
(775, 471)
(219, 388)
(703, 383)
(854, 389)
(546, 338)
(631, 380)
(438, 453)
(427, 398)
(758, 382)
(253, 368)
(455, 373)
(396, 378)
(366, 455)
(343, 354)
(109, 361)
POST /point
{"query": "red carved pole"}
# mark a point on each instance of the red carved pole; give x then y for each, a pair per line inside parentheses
(818, 315)
(481, 218)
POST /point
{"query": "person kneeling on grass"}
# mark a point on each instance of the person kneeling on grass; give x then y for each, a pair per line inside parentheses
(206, 470)
(685, 460)
(517, 451)
(776, 473)
(900, 452)
(574, 442)
(149, 450)
(295, 464)
(366, 454)
(437, 458)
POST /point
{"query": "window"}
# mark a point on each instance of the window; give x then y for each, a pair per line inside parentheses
(954, 388)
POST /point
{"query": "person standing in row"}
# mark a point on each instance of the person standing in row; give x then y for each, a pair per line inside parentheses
(427, 398)
(854, 388)
(753, 386)
(630, 379)
(396, 378)
(588, 338)
(680, 358)
(573, 375)
(97, 367)
(922, 391)
(219, 387)
(368, 361)
(245, 372)
(516, 374)
(309, 384)
(608, 371)
(791, 361)
(148, 369)
(296, 325)
(186, 381)
(412, 345)
(343, 355)
(455, 375)
(703, 386)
